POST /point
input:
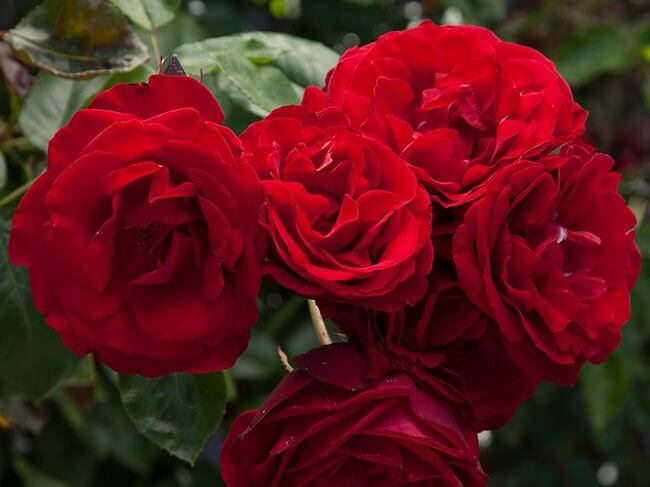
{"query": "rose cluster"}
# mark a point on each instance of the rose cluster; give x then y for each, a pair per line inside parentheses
(436, 198)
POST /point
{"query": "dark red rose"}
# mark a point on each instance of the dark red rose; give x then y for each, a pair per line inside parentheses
(549, 254)
(140, 236)
(346, 218)
(456, 102)
(328, 425)
(448, 346)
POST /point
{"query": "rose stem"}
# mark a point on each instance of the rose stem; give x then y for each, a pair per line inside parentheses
(319, 323)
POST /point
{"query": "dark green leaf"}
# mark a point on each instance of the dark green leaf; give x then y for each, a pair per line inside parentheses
(260, 71)
(32, 356)
(52, 101)
(177, 412)
(77, 39)
(148, 14)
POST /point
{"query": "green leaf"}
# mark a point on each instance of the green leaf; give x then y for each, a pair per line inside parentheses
(605, 388)
(52, 101)
(599, 51)
(32, 356)
(177, 412)
(260, 71)
(148, 14)
(77, 39)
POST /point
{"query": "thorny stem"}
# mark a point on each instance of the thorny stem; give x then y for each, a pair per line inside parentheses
(318, 322)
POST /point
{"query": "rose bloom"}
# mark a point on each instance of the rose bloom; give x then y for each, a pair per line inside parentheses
(448, 346)
(549, 254)
(328, 424)
(141, 235)
(456, 102)
(346, 218)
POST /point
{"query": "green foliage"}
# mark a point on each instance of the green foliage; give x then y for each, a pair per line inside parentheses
(259, 71)
(53, 100)
(177, 412)
(32, 356)
(598, 51)
(148, 14)
(77, 39)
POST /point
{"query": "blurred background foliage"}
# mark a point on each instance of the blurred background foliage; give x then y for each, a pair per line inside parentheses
(596, 434)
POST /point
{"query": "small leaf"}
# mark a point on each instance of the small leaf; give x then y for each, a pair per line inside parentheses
(77, 39)
(605, 388)
(177, 412)
(148, 14)
(32, 356)
(260, 71)
(52, 101)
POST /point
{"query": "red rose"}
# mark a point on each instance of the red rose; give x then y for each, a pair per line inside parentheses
(549, 254)
(140, 235)
(327, 425)
(456, 101)
(448, 345)
(346, 218)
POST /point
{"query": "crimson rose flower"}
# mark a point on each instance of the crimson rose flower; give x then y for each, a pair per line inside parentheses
(447, 345)
(140, 236)
(456, 102)
(549, 254)
(346, 217)
(328, 425)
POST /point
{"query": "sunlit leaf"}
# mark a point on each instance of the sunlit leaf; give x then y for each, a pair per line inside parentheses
(148, 14)
(260, 71)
